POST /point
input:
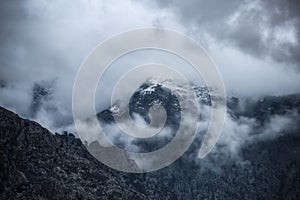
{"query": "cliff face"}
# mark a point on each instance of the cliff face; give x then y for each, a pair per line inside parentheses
(36, 164)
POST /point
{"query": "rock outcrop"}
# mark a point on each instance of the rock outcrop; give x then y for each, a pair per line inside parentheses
(36, 164)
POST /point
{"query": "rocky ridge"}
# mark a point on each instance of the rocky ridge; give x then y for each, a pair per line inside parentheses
(36, 164)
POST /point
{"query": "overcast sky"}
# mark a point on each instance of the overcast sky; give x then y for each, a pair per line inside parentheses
(255, 44)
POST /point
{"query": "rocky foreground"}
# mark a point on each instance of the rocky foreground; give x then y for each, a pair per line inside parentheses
(36, 164)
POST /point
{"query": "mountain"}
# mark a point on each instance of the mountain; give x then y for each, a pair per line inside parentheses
(257, 156)
(157, 92)
(266, 166)
(36, 164)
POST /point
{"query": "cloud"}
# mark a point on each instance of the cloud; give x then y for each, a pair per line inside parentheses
(239, 133)
(260, 28)
(48, 40)
(254, 43)
(247, 76)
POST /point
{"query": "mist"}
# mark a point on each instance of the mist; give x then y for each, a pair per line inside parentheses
(44, 43)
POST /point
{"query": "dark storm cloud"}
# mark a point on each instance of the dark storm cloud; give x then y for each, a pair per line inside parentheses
(11, 12)
(11, 18)
(260, 28)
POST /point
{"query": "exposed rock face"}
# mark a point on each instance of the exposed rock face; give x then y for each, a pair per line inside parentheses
(41, 92)
(35, 164)
(149, 94)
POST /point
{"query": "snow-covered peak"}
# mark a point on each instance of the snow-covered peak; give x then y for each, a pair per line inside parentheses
(177, 87)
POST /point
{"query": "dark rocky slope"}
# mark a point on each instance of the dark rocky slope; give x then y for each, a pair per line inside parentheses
(36, 164)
